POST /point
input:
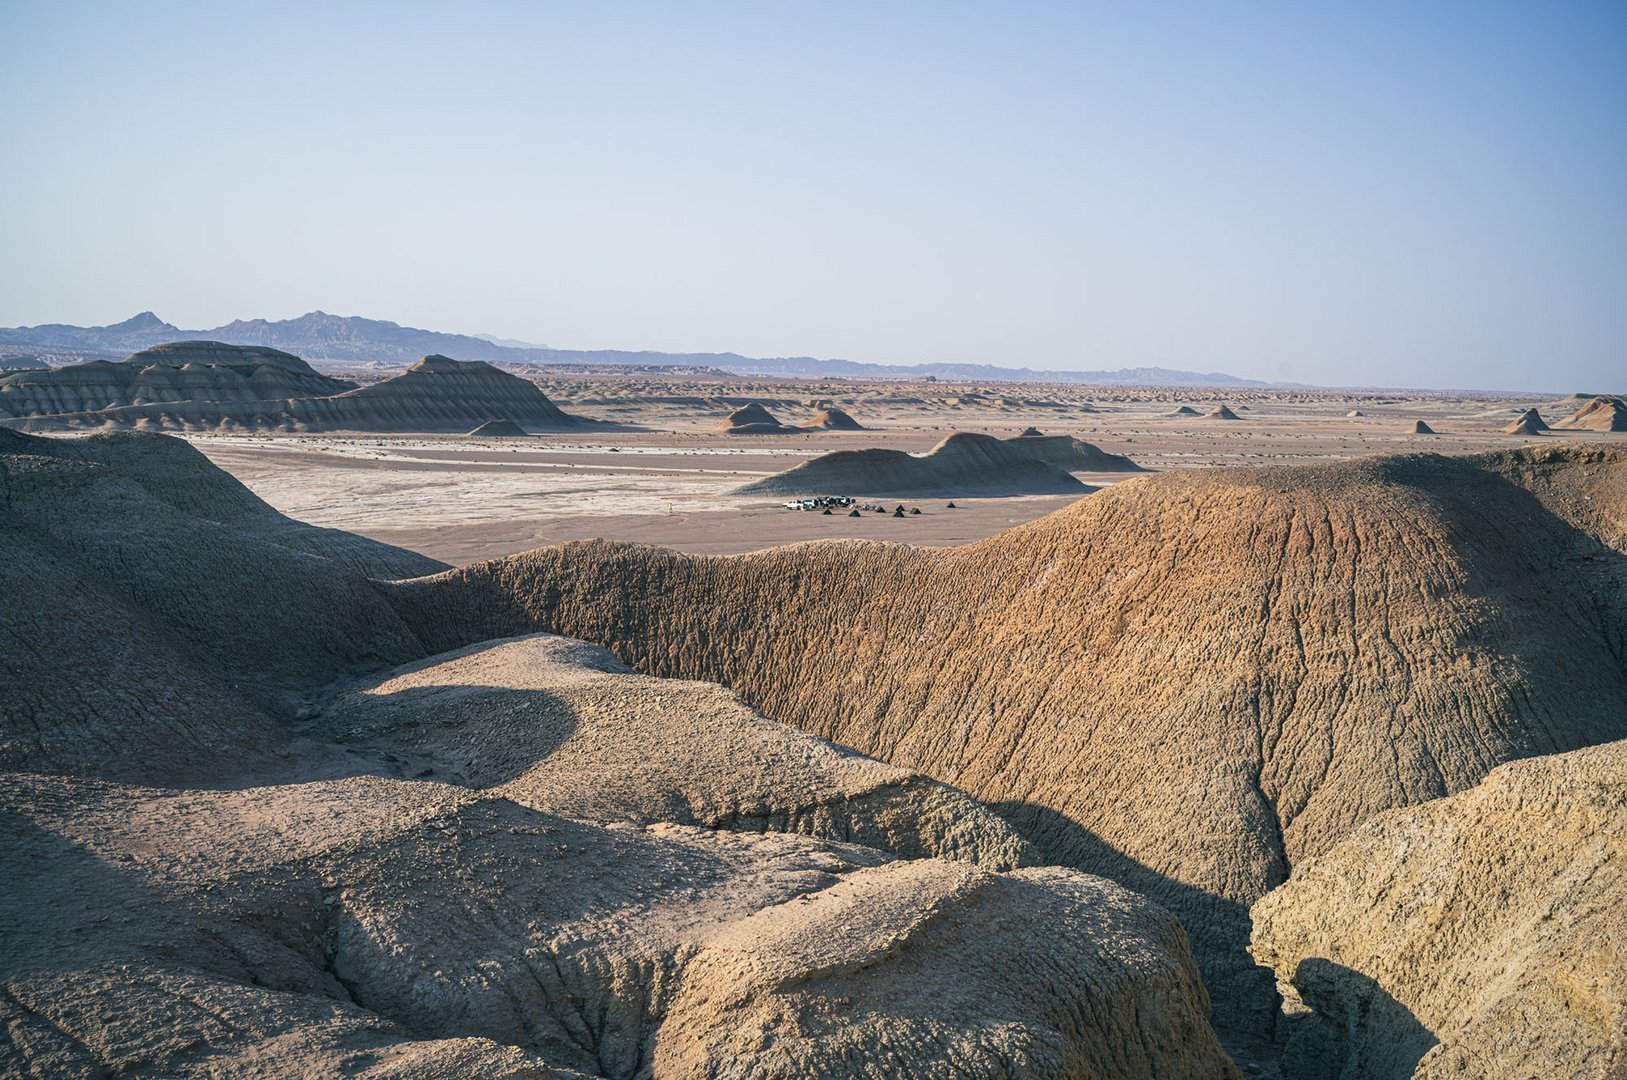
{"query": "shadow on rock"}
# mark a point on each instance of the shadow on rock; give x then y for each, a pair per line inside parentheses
(1243, 995)
(1352, 1029)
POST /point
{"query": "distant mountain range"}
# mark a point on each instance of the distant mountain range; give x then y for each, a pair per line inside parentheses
(320, 337)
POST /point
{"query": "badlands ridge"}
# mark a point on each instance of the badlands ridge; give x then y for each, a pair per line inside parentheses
(285, 801)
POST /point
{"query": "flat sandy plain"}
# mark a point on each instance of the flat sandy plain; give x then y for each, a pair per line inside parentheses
(666, 479)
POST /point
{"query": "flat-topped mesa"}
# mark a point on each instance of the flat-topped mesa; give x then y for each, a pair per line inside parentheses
(1189, 681)
(204, 373)
(1600, 414)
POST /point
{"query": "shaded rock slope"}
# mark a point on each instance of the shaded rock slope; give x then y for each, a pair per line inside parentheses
(963, 464)
(1188, 682)
(197, 888)
(1483, 934)
(563, 726)
(157, 612)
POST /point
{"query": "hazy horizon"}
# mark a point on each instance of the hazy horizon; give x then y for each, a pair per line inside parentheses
(1379, 197)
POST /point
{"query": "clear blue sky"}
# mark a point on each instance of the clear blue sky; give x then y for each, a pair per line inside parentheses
(1423, 194)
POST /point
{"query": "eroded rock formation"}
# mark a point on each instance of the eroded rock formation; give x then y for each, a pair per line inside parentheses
(251, 899)
(563, 726)
(1483, 934)
(1188, 682)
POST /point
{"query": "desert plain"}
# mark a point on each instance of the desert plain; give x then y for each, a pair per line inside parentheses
(667, 478)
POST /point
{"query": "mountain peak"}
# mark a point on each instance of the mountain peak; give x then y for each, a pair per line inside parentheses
(146, 320)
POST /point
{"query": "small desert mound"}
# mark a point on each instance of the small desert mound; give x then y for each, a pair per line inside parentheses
(1185, 410)
(1531, 423)
(498, 429)
(1483, 934)
(1220, 412)
(752, 419)
(563, 726)
(834, 419)
(962, 464)
(1074, 455)
(1599, 414)
(389, 928)
(1421, 428)
(1030, 433)
(1355, 413)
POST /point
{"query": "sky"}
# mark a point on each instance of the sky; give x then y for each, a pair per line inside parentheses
(1382, 193)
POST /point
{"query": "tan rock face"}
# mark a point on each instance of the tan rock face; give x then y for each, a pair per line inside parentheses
(374, 924)
(563, 726)
(1480, 935)
(1188, 682)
